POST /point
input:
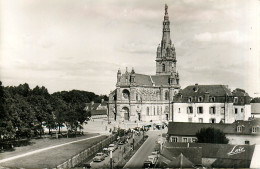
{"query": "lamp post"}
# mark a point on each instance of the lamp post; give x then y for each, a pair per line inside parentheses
(133, 141)
(111, 160)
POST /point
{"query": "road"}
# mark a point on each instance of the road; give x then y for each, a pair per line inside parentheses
(117, 155)
(143, 152)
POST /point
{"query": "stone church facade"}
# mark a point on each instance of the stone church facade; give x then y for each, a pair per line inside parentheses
(158, 98)
(140, 97)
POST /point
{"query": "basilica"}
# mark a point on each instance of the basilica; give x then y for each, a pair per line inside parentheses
(140, 97)
(152, 98)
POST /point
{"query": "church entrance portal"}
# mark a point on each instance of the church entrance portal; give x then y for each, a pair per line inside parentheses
(125, 111)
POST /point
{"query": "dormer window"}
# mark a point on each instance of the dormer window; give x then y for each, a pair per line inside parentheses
(239, 129)
(190, 99)
(212, 99)
(254, 129)
(200, 99)
(235, 100)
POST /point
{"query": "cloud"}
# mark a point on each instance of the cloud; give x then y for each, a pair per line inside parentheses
(229, 36)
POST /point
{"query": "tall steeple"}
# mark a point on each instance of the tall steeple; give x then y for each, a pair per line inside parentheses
(166, 56)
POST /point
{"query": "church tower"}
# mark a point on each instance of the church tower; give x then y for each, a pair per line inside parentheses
(166, 56)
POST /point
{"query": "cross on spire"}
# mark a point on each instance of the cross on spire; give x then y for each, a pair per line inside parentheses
(166, 9)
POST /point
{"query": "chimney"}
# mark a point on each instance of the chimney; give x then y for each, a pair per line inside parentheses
(206, 97)
(196, 88)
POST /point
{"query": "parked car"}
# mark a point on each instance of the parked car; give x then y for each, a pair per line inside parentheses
(147, 164)
(153, 159)
(99, 157)
(106, 151)
(112, 147)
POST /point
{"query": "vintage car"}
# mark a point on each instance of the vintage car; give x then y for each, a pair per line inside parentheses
(99, 157)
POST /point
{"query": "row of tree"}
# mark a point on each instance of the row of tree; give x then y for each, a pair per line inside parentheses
(24, 111)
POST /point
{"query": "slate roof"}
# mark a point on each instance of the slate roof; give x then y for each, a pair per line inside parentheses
(190, 129)
(147, 80)
(219, 151)
(213, 90)
(98, 112)
(194, 154)
(91, 106)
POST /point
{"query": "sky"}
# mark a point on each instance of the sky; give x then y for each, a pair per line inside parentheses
(67, 44)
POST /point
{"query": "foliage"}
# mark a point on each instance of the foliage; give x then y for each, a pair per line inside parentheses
(211, 135)
(24, 111)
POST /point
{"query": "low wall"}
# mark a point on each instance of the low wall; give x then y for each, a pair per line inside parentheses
(76, 159)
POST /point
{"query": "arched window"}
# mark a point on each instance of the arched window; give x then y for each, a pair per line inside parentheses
(136, 96)
(126, 94)
(163, 67)
(166, 95)
(147, 111)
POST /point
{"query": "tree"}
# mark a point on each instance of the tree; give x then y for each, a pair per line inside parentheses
(211, 135)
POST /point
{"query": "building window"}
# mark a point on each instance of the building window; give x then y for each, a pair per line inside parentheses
(212, 120)
(158, 111)
(200, 120)
(174, 139)
(200, 110)
(212, 110)
(247, 142)
(235, 100)
(190, 99)
(239, 129)
(147, 111)
(242, 110)
(136, 96)
(235, 110)
(126, 94)
(222, 110)
(212, 99)
(193, 139)
(189, 110)
(179, 110)
(154, 112)
(185, 140)
(254, 129)
(163, 67)
(166, 95)
(200, 99)
(190, 119)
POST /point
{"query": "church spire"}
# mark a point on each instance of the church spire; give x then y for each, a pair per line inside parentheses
(165, 55)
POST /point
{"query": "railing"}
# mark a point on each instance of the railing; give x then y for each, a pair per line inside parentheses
(79, 158)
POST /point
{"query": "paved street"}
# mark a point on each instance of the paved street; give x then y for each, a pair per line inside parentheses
(143, 152)
(117, 154)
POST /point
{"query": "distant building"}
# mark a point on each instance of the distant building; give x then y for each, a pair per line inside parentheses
(97, 110)
(255, 107)
(239, 132)
(211, 104)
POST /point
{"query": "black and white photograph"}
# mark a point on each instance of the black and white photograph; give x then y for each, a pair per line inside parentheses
(129, 84)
